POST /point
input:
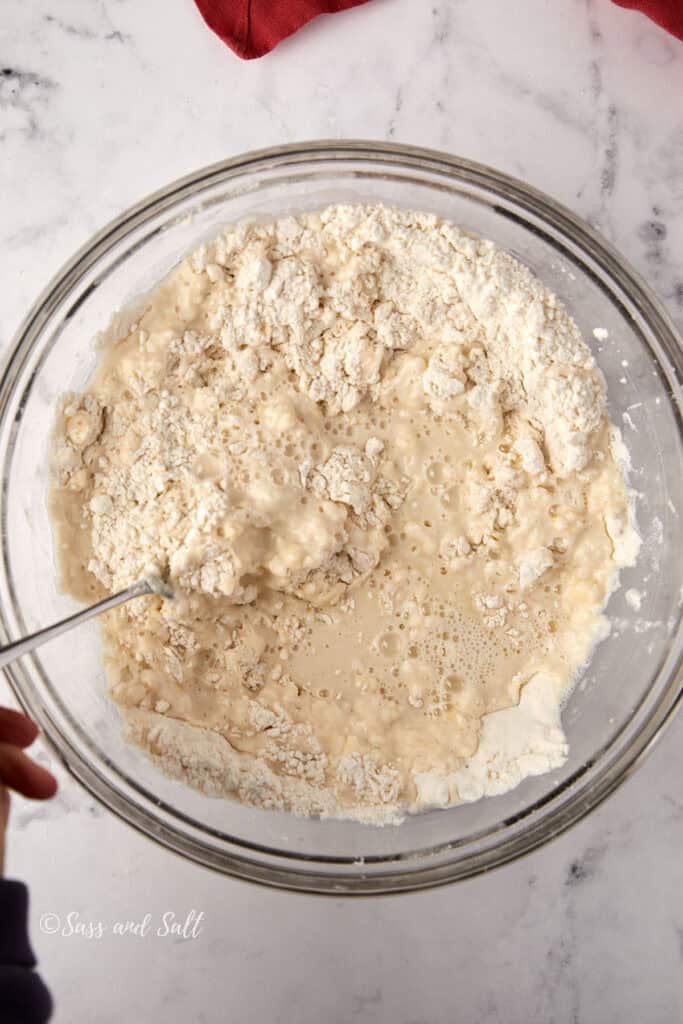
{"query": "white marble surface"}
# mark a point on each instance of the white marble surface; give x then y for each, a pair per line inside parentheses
(98, 106)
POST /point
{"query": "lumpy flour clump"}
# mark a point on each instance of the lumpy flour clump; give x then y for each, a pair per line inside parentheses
(371, 454)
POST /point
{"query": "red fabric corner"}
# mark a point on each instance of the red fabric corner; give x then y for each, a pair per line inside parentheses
(667, 13)
(254, 27)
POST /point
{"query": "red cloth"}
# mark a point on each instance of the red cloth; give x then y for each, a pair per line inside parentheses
(667, 13)
(253, 27)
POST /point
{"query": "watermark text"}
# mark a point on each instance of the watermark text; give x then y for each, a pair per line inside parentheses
(168, 925)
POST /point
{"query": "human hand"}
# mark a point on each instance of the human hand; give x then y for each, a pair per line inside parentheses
(17, 770)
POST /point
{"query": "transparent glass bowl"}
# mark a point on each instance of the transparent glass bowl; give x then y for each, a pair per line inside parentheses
(634, 680)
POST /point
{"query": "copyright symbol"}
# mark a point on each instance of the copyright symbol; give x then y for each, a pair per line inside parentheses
(50, 923)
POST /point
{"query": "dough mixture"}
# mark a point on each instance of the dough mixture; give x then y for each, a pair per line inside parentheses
(371, 454)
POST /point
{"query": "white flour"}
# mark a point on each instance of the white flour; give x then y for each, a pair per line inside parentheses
(372, 455)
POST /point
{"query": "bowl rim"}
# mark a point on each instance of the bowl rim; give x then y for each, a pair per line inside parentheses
(304, 877)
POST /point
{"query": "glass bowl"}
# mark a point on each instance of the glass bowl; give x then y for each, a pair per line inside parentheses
(633, 682)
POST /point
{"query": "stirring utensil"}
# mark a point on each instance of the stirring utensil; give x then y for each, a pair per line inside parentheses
(148, 585)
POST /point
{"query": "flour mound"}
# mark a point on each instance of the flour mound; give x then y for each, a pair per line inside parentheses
(371, 454)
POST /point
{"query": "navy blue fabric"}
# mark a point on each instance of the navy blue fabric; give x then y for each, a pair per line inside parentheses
(24, 999)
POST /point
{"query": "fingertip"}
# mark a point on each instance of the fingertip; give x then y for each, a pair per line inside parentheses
(19, 772)
(17, 728)
(50, 786)
(40, 783)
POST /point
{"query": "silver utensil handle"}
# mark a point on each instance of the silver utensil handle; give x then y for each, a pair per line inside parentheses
(14, 650)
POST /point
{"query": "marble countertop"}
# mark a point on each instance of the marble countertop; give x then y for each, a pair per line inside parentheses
(101, 103)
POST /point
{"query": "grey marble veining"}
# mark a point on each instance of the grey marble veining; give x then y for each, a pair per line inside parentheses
(103, 102)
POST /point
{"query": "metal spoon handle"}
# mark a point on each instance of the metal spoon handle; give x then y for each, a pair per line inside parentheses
(14, 650)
